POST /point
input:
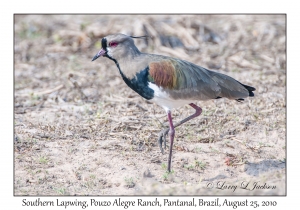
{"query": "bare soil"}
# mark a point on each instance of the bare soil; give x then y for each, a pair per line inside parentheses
(79, 130)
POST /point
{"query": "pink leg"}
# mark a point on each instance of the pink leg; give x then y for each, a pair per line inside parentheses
(196, 114)
(172, 134)
(162, 136)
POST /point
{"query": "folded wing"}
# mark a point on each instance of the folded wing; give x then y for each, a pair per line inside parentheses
(185, 80)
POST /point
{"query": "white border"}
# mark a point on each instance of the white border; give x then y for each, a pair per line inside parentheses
(8, 201)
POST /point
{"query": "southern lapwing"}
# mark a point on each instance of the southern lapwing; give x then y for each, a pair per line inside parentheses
(167, 81)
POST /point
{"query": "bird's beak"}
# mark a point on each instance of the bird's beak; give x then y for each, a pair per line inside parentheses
(99, 54)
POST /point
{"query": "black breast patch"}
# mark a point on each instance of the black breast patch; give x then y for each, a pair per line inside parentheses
(140, 83)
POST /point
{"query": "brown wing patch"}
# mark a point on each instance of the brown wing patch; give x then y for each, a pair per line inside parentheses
(163, 73)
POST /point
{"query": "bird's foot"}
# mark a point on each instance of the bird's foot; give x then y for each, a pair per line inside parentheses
(162, 138)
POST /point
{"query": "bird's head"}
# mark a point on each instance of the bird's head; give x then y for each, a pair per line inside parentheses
(117, 46)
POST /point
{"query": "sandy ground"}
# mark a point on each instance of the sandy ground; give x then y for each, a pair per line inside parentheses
(79, 130)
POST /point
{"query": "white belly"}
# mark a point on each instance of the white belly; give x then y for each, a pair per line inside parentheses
(164, 100)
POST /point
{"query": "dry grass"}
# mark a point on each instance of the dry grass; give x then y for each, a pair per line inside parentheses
(79, 130)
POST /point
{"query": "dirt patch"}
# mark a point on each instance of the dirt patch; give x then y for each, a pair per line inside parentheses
(79, 130)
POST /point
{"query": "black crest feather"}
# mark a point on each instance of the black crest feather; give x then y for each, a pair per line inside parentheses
(138, 37)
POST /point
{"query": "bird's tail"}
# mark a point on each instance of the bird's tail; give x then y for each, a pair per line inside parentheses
(250, 89)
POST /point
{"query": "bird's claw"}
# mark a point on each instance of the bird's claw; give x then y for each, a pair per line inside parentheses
(162, 138)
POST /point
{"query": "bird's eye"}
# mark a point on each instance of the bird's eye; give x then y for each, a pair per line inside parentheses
(113, 44)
